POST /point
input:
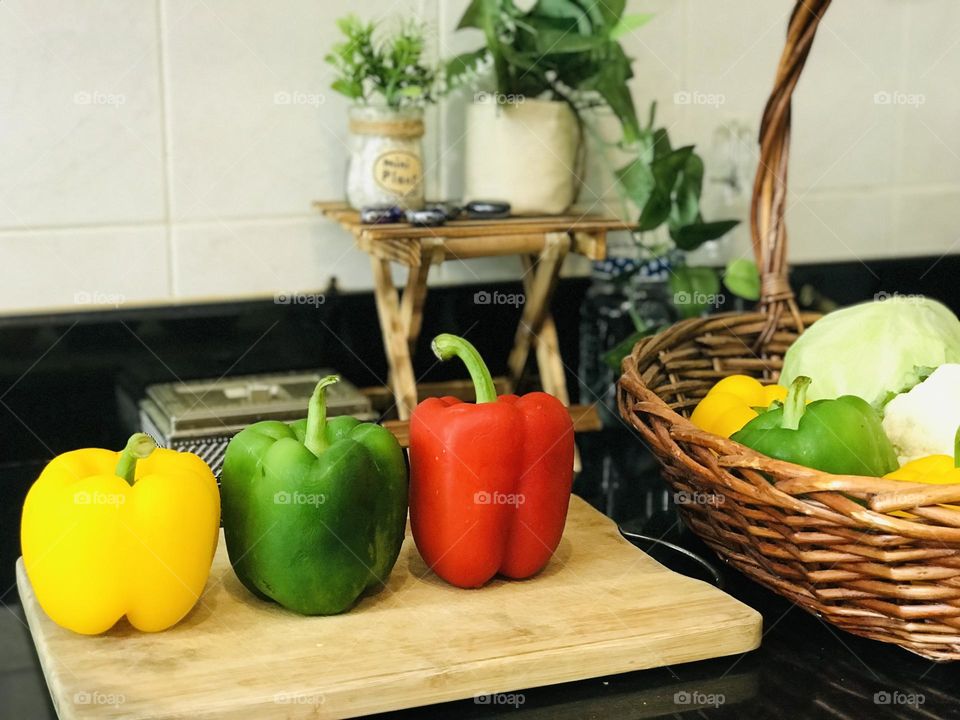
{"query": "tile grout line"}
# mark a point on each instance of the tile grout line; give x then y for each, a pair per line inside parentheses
(165, 134)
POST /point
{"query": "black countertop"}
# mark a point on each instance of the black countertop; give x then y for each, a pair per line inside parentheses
(804, 667)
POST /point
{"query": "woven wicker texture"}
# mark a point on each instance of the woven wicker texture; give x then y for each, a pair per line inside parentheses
(829, 543)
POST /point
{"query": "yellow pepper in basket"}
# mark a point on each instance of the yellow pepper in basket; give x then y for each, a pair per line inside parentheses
(729, 405)
(933, 470)
(107, 534)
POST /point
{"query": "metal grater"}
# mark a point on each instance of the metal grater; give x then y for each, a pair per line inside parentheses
(200, 416)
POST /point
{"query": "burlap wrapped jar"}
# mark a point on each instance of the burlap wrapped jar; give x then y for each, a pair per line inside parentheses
(386, 157)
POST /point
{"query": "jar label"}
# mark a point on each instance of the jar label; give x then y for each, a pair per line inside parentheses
(398, 171)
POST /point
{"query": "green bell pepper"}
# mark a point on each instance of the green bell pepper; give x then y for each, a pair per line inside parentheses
(314, 512)
(843, 436)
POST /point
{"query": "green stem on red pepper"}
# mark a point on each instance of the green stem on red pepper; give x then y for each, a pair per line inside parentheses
(139, 446)
(446, 346)
(796, 403)
(315, 435)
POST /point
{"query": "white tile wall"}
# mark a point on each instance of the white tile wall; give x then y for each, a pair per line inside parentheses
(160, 127)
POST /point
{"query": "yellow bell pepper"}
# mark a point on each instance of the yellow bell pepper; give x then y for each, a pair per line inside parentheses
(107, 534)
(729, 405)
(933, 470)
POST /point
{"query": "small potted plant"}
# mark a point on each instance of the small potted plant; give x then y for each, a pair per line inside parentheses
(387, 79)
(524, 137)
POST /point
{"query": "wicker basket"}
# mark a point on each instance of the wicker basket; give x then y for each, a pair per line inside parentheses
(797, 531)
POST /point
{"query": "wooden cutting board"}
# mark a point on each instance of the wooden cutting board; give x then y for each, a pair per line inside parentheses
(600, 607)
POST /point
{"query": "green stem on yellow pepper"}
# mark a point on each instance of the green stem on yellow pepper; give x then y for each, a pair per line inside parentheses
(139, 446)
(315, 436)
(446, 346)
(956, 448)
(796, 403)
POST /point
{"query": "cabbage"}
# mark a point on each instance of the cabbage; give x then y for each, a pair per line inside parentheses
(874, 350)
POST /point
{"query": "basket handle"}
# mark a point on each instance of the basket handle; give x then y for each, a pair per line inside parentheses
(768, 231)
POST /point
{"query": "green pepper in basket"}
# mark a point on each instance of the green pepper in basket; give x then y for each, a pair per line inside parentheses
(314, 512)
(843, 436)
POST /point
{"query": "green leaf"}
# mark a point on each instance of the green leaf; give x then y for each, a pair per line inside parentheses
(690, 237)
(351, 89)
(566, 9)
(655, 211)
(615, 356)
(666, 168)
(695, 290)
(609, 12)
(611, 83)
(742, 278)
(661, 143)
(629, 23)
(686, 208)
(638, 181)
(480, 14)
(463, 63)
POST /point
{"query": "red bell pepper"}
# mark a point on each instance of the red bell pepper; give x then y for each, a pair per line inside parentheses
(489, 482)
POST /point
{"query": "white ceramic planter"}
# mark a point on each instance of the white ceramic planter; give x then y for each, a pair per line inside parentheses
(525, 153)
(386, 158)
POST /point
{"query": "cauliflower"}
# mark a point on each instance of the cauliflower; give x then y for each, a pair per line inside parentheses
(924, 421)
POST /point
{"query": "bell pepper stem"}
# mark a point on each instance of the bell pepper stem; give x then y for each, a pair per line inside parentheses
(315, 436)
(795, 403)
(446, 346)
(139, 446)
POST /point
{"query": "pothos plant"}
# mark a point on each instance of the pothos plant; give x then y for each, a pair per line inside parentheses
(388, 69)
(570, 50)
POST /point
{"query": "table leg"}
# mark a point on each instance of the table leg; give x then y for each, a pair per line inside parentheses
(415, 292)
(540, 280)
(395, 343)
